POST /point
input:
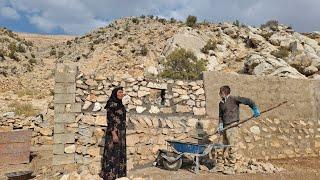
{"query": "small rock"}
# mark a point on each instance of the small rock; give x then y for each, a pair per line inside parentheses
(140, 109)
(46, 131)
(70, 149)
(154, 110)
(255, 130)
(97, 107)
(86, 105)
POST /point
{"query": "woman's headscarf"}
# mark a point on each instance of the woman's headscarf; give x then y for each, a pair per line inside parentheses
(113, 97)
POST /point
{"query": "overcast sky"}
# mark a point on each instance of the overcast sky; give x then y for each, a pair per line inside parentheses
(80, 16)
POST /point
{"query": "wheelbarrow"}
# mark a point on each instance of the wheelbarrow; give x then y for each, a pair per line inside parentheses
(173, 160)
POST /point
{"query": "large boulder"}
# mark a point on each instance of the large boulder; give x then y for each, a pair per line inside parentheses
(191, 40)
(305, 63)
(257, 64)
(281, 39)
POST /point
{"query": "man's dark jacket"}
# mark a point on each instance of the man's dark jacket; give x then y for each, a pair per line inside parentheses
(229, 109)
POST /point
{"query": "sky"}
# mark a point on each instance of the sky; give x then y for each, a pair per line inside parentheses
(77, 17)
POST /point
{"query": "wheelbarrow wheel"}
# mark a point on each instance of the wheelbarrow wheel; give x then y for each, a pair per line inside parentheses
(172, 166)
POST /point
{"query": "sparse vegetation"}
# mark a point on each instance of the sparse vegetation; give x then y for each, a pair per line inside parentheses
(236, 23)
(162, 20)
(135, 20)
(191, 21)
(211, 45)
(60, 54)
(267, 35)
(272, 24)
(21, 49)
(144, 50)
(173, 20)
(53, 52)
(26, 109)
(151, 16)
(182, 64)
(32, 61)
(282, 53)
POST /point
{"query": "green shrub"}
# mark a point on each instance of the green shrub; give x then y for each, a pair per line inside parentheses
(135, 20)
(282, 53)
(12, 47)
(13, 55)
(273, 24)
(211, 45)
(173, 20)
(182, 64)
(191, 21)
(162, 20)
(236, 23)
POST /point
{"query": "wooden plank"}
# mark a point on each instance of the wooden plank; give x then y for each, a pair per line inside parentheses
(15, 147)
(12, 148)
(15, 136)
(17, 158)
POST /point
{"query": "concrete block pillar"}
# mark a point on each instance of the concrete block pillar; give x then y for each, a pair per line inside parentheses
(65, 109)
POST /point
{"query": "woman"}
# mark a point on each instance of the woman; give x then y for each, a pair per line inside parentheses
(114, 155)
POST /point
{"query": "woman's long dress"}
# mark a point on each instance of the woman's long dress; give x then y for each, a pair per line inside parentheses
(114, 155)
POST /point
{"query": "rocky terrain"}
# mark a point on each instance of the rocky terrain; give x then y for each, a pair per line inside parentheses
(138, 47)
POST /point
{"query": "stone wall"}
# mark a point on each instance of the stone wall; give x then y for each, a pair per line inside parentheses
(291, 130)
(157, 110)
(169, 109)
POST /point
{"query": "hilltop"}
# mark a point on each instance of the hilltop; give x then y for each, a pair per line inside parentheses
(137, 46)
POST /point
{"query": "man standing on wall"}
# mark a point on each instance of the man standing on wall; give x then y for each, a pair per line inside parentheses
(229, 115)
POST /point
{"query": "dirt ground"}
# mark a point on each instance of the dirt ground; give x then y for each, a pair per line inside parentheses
(296, 169)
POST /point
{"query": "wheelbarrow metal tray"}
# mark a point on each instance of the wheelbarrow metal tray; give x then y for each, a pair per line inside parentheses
(187, 147)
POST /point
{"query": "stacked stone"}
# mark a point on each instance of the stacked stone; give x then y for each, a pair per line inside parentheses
(274, 138)
(65, 113)
(41, 130)
(147, 134)
(144, 96)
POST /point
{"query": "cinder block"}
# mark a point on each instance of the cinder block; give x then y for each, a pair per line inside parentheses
(63, 159)
(63, 138)
(65, 118)
(59, 128)
(65, 73)
(58, 149)
(65, 88)
(67, 108)
(64, 98)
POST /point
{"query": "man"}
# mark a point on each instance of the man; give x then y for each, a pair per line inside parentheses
(228, 115)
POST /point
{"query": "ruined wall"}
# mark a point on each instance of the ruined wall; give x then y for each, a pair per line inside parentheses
(291, 130)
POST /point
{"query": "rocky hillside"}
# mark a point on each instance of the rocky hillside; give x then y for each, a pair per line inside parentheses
(139, 46)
